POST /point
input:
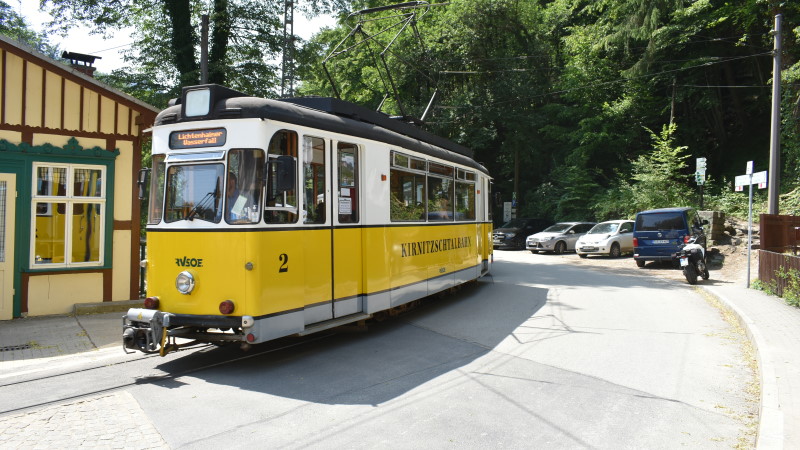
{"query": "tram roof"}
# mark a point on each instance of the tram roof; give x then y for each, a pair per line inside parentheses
(323, 113)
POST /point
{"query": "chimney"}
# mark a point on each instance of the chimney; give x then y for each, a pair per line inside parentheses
(80, 62)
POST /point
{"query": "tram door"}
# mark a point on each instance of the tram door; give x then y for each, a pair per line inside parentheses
(347, 232)
(7, 199)
(317, 240)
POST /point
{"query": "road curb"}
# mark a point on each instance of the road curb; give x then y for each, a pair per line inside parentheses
(80, 309)
(770, 423)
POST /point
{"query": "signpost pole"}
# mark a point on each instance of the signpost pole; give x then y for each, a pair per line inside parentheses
(748, 179)
(749, 228)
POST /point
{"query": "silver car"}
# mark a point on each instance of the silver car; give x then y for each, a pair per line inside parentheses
(611, 238)
(558, 238)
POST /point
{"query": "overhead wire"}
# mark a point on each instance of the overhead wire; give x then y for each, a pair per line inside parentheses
(620, 80)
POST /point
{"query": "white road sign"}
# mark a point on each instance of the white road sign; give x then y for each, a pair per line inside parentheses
(759, 178)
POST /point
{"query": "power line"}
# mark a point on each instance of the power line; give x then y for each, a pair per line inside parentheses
(606, 83)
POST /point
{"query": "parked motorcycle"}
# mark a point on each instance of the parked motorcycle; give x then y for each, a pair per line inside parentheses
(693, 262)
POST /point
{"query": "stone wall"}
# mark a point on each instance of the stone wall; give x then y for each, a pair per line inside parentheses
(715, 230)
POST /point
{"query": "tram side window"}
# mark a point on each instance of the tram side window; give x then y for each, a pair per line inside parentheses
(281, 205)
(488, 202)
(407, 185)
(465, 195)
(244, 186)
(440, 192)
(348, 182)
(156, 208)
(314, 180)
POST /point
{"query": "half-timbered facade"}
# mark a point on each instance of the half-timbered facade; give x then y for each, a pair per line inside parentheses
(70, 148)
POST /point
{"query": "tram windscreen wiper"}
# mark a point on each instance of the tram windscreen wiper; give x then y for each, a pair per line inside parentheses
(201, 205)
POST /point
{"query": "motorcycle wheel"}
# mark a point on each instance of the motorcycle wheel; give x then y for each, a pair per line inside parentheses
(690, 272)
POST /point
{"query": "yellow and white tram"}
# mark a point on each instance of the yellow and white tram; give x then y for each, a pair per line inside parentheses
(270, 218)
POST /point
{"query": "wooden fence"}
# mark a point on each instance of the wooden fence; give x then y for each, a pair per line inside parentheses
(770, 263)
(779, 233)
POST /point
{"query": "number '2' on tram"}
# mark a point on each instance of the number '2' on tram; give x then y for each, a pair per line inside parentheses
(270, 218)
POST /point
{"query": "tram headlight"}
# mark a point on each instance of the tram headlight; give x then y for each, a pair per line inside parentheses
(184, 282)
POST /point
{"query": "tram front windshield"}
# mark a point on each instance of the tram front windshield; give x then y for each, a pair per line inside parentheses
(217, 192)
(194, 192)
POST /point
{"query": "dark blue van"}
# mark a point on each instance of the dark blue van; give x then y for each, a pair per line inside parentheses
(659, 234)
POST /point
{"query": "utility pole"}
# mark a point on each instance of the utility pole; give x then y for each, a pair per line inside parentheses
(204, 49)
(287, 70)
(672, 103)
(515, 194)
(775, 128)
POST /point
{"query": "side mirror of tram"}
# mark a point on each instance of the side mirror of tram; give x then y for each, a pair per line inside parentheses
(144, 176)
(286, 173)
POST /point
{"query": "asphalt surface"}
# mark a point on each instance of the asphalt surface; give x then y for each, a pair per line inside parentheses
(504, 358)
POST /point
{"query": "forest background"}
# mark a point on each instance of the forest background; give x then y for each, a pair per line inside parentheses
(580, 109)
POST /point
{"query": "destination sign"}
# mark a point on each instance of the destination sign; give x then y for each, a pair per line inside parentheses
(212, 137)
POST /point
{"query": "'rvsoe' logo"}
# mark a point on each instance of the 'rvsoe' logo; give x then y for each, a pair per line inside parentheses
(189, 262)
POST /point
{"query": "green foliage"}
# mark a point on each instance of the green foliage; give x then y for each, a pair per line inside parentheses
(558, 99)
(245, 37)
(16, 27)
(791, 292)
(790, 202)
(401, 211)
(658, 179)
(767, 288)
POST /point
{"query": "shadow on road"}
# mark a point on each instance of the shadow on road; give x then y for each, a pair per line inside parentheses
(399, 354)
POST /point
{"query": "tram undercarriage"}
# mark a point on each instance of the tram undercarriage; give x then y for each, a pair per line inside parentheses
(152, 331)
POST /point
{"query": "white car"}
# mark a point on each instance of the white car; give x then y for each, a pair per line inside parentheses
(557, 238)
(612, 238)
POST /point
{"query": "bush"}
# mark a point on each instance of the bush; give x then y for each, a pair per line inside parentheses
(791, 292)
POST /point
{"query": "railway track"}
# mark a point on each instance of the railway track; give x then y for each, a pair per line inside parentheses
(20, 396)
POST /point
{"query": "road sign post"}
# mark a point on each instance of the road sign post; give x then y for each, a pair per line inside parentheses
(748, 179)
(700, 177)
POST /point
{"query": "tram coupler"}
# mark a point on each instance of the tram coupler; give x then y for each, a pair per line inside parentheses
(144, 330)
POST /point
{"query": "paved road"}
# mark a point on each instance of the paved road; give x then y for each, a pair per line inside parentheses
(541, 354)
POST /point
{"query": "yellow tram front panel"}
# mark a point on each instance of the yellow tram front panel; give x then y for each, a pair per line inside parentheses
(262, 272)
(215, 259)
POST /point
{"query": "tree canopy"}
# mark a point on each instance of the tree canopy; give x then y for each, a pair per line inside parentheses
(571, 104)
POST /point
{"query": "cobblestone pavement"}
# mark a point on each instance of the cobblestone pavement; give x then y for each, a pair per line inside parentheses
(112, 421)
(43, 337)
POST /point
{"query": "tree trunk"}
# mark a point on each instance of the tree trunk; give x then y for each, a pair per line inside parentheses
(219, 42)
(183, 40)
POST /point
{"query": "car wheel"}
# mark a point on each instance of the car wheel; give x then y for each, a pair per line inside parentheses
(582, 255)
(640, 263)
(560, 247)
(535, 252)
(615, 251)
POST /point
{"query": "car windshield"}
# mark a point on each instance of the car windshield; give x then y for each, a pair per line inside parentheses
(604, 228)
(514, 223)
(558, 228)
